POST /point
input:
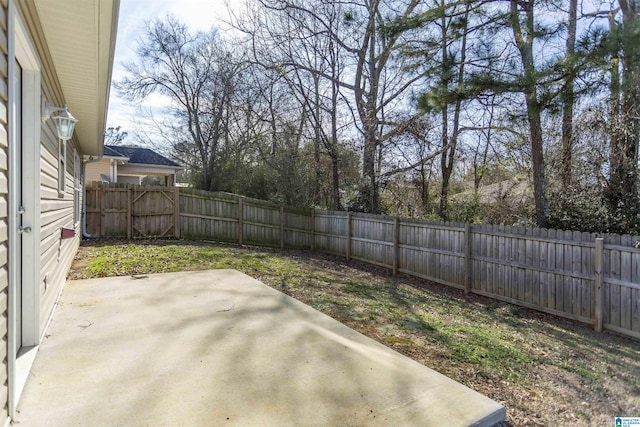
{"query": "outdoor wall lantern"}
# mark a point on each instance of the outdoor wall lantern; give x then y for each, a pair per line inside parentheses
(65, 122)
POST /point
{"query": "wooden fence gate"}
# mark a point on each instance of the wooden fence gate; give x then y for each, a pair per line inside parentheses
(132, 211)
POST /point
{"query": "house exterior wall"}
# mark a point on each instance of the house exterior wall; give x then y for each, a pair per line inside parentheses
(168, 174)
(45, 257)
(96, 169)
(125, 179)
(57, 211)
(4, 188)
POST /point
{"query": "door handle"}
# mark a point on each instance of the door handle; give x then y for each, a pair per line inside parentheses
(22, 229)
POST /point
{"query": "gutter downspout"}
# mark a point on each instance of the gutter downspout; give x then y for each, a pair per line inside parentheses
(84, 194)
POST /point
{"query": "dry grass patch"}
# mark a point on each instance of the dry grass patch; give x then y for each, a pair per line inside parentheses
(545, 370)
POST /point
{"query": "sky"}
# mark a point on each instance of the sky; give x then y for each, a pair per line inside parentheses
(195, 14)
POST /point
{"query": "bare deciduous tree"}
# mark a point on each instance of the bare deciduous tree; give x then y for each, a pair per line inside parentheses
(197, 74)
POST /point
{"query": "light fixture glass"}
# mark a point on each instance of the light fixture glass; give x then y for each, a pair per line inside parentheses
(65, 122)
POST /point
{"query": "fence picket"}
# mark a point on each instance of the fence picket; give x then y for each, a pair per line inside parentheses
(614, 289)
(635, 293)
(522, 259)
(625, 276)
(543, 279)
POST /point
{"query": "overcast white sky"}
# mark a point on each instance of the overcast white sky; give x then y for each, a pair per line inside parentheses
(196, 14)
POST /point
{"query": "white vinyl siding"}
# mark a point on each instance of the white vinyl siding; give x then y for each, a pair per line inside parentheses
(95, 170)
(59, 210)
(4, 277)
(124, 179)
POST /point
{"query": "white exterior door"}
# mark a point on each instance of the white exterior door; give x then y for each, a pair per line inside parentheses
(24, 127)
(21, 228)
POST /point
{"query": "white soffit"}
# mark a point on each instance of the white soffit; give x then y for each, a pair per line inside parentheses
(80, 35)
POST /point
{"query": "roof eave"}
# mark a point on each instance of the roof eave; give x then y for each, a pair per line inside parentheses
(81, 41)
(115, 157)
(156, 166)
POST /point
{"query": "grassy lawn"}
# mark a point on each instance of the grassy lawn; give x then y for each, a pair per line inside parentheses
(545, 370)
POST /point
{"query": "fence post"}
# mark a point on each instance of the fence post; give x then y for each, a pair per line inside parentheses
(313, 228)
(176, 212)
(129, 213)
(348, 252)
(396, 245)
(281, 227)
(240, 216)
(468, 266)
(598, 284)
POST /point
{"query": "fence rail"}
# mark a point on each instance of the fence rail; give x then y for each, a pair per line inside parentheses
(581, 276)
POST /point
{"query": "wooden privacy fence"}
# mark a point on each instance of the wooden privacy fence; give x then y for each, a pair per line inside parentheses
(581, 276)
(230, 218)
(132, 211)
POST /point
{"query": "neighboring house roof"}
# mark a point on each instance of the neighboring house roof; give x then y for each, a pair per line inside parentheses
(139, 156)
(81, 38)
(110, 151)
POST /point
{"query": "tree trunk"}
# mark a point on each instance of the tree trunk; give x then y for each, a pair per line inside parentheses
(622, 193)
(316, 143)
(537, 160)
(444, 167)
(333, 150)
(616, 146)
(424, 190)
(631, 109)
(366, 101)
(370, 190)
(335, 187)
(207, 176)
(534, 109)
(444, 194)
(370, 124)
(448, 156)
(568, 97)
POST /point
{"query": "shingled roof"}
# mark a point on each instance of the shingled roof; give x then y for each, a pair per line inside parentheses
(139, 155)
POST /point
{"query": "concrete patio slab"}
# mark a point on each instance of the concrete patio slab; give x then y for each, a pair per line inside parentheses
(218, 348)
